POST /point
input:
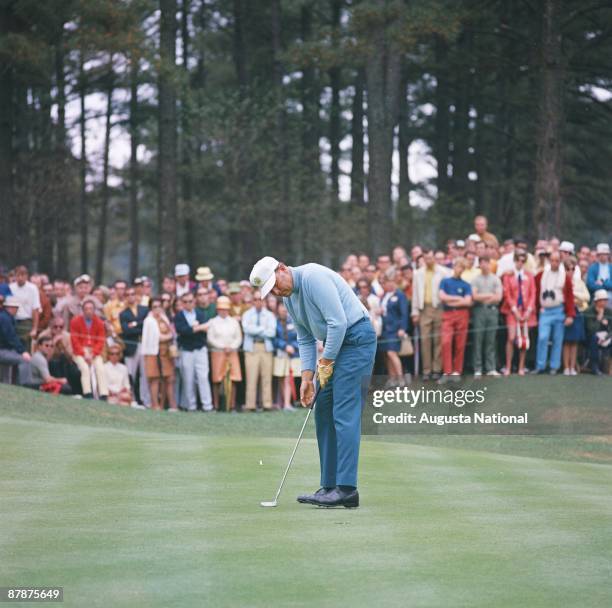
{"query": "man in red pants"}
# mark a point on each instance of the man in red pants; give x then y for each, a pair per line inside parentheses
(456, 297)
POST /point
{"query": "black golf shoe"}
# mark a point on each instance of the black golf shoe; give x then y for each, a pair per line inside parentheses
(313, 499)
(339, 498)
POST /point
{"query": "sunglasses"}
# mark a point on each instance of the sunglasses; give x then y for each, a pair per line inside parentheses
(57, 327)
(113, 354)
(188, 301)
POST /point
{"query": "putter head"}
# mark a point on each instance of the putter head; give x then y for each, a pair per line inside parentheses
(268, 503)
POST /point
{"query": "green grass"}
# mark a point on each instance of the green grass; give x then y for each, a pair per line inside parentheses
(132, 508)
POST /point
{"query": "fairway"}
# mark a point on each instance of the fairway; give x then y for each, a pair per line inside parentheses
(141, 517)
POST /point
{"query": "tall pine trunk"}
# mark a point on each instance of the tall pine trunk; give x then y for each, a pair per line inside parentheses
(45, 214)
(6, 143)
(383, 81)
(548, 174)
(404, 211)
(186, 149)
(134, 229)
(310, 128)
(167, 213)
(63, 215)
(335, 110)
(105, 192)
(285, 240)
(335, 134)
(83, 210)
(442, 118)
(357, 147)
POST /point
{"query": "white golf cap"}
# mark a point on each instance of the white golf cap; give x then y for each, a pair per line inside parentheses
(262, 275)
(83, 278)
(474, 237)
(181, 270)
(460, 243)
(567, 246)
(603, 248)
(600, 294)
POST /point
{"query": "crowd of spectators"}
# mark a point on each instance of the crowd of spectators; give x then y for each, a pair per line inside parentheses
(476, 306)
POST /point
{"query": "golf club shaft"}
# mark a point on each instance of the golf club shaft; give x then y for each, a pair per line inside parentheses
(297, 443)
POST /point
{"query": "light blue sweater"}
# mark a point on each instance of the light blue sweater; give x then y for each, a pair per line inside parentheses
(322, 306)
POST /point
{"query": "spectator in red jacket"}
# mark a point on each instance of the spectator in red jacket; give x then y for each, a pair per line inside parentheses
(555, 300)
(519, 307)
(88, 335)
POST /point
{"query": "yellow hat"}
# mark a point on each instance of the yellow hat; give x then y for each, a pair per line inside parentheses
(204, 274)
(223, 303)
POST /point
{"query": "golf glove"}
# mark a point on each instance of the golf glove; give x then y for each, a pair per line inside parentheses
(325, 373)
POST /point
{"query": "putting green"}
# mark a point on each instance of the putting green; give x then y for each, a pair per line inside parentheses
(139, 518)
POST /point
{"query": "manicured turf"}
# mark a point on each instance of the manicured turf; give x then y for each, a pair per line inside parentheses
(129, 508)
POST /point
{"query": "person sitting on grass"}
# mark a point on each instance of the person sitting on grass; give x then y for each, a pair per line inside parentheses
(118, 378)
(62, 362)
(12, 349)
(88, 336)
(599, 328)
(41, 375)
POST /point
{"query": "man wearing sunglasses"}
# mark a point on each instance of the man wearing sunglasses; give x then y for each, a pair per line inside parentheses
(191, 326)
(41, 374)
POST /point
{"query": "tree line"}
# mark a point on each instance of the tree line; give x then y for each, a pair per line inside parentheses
(286, 127)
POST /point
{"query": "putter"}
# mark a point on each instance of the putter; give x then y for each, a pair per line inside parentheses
(274, 503)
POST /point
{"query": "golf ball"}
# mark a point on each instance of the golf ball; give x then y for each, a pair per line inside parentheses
(261, 462)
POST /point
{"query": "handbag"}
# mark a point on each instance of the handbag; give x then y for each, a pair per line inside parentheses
(406, 348)
(173, 351)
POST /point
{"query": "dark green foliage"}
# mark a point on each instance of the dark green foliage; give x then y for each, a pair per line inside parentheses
(265, 83)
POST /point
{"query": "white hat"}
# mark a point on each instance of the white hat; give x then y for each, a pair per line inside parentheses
(603, 248)
(567, 246)
(262, 275)
(460, 243)
(13, 302)
(83, 278)
(474, 237)
(600, 294)
(204, 274)
(181, 270)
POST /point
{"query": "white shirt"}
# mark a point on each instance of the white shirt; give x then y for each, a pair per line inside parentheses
(224, 333)
(117, 377)
(374, 306)
(182, 289)
(29, 299)
(505, 264)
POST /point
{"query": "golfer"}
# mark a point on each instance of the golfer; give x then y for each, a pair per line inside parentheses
(324, 307)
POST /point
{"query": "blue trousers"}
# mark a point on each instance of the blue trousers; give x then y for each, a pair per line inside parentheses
(550, 324)
(338, 411)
